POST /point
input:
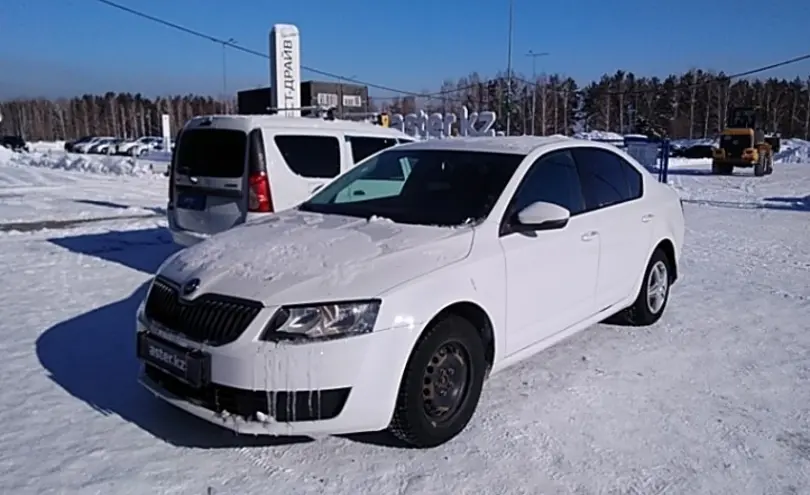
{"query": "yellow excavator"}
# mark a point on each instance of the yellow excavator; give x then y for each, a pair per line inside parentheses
(744, 143)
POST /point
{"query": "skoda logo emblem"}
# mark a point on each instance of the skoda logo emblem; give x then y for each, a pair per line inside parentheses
(190, 286)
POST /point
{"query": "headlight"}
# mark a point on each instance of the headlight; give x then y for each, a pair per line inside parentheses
(322, 322)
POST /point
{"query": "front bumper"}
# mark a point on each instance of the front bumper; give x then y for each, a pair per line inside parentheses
(340, 386)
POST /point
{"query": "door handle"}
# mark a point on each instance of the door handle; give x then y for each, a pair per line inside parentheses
(646, 218)
(589, 236)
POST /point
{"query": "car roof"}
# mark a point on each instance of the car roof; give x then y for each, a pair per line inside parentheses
(311, 123)
(517, 145)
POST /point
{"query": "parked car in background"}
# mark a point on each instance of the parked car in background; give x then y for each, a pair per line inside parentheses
(14, 143)
(105, 146)
(697, 151)
(70, 146)
(228, 169)
(85, 146)
(389, 297)
(137, 147)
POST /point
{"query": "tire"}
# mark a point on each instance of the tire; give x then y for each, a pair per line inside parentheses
(769, 168)
(722, 169)
(643, 312)
(416, 421)
(760, 167)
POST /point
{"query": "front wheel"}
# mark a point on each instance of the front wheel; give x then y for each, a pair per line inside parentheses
(441, 384)
(760, 166)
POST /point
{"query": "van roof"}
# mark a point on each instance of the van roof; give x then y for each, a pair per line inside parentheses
(314, 123)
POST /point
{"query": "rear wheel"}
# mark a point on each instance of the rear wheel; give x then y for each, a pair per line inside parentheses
(441, 384)
(654, 293)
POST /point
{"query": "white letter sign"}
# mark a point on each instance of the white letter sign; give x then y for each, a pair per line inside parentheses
(437, 126)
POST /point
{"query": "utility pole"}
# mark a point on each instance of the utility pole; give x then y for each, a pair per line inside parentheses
(509, 74)
(534, 84)
(225, 44)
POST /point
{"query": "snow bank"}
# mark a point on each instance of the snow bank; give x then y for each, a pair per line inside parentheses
(793, 151)
(686, 143)
(100, 164)
(599, 136)
(6, 155)
(46, 146)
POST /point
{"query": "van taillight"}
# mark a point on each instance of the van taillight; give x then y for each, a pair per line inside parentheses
(259, 200)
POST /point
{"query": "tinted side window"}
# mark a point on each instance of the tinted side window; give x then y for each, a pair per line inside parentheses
(603, 178)
(311, 156)
(552, 178)
(363, 147)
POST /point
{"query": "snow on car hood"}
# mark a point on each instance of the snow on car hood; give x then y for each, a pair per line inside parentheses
(298, 257)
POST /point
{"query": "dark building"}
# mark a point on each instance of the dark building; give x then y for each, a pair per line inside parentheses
(344, 97)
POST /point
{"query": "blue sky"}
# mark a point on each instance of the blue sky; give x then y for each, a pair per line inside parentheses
(66, 47)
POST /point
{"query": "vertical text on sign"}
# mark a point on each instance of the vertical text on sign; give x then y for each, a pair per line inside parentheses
(285, 69)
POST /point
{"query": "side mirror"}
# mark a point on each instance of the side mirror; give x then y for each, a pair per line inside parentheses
(541, 216)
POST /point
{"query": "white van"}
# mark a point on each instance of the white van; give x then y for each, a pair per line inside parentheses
(227, 169)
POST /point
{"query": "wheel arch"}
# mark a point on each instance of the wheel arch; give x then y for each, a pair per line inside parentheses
(478, 317)
(668, 247)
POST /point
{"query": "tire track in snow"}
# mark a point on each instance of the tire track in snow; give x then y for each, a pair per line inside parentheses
(37, 225)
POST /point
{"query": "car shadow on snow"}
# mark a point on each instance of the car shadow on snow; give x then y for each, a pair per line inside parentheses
(775, 203)
(704, 171)
(688, 171)
(791, 203)
(92, 355)
(142, 250)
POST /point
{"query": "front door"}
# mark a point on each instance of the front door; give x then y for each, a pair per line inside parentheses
(550, 275)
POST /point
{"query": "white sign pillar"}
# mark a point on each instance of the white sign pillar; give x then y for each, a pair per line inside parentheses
(285, 69)
(166, 131)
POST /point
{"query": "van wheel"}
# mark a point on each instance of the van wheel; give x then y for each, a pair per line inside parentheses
(653, 296)
(441, 384)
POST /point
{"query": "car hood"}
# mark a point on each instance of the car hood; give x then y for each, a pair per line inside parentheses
(297, 257)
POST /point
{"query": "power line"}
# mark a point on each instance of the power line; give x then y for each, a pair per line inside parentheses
(712, 80)
(249, 51)
(438, 94)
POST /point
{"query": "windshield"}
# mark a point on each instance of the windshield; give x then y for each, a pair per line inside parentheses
(427, 187)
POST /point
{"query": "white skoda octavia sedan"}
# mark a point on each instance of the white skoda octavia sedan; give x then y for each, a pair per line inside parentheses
(387, 298)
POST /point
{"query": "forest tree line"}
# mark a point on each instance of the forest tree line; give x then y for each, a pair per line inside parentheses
(690, 105)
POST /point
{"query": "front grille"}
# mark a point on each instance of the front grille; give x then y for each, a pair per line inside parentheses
(734, 145)
(212, 319)
(284, 406)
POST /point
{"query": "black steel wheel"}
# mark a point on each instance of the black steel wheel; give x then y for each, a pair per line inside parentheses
(441, 384)
(446, 381)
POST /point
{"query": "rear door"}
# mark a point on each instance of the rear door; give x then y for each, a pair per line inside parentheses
(210, 178)
(614, 191)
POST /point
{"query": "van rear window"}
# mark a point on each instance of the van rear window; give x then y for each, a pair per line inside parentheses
(212, 153)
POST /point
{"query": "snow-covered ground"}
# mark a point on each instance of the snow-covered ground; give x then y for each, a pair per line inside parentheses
(712, 399)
